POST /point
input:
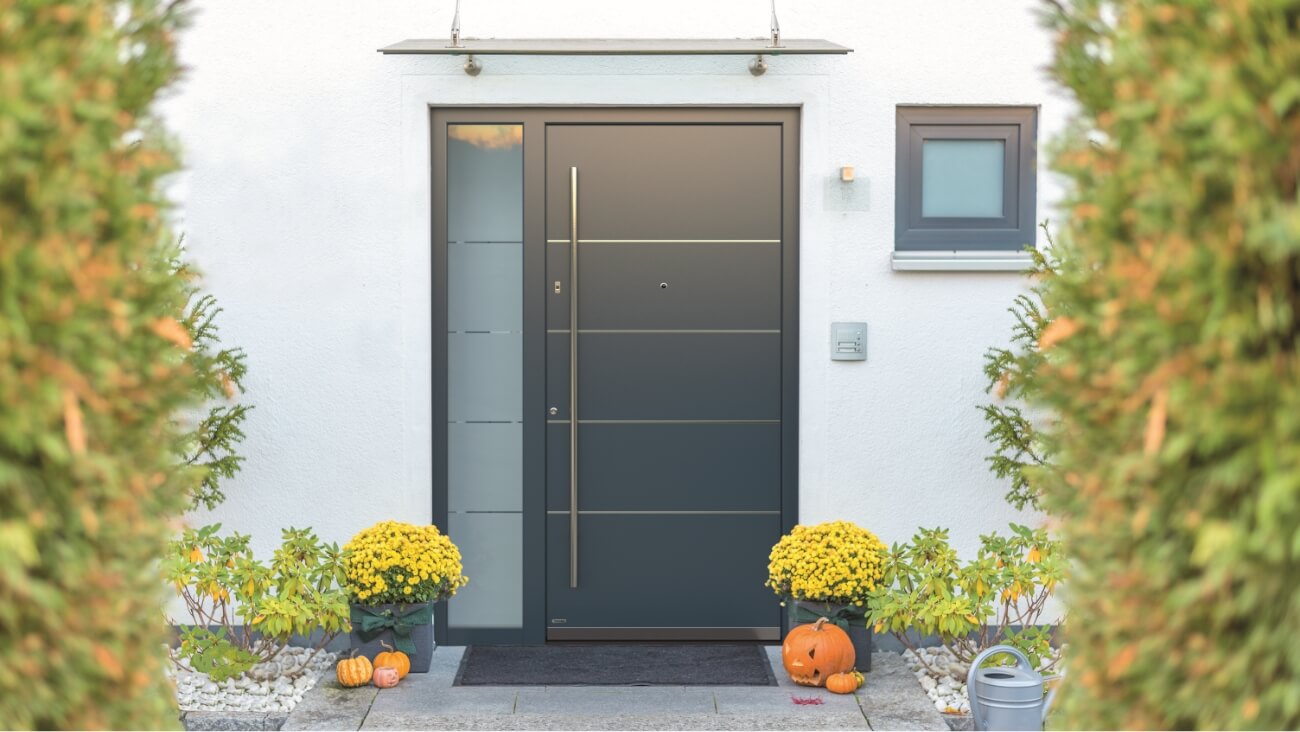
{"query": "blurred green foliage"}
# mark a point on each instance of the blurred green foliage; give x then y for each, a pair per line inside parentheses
(1171, 363)
(93, 364)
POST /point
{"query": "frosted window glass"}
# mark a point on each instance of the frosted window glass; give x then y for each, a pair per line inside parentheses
(486, 466)
(962, 178)
(485, 184)
(492, 548)
(485, 291)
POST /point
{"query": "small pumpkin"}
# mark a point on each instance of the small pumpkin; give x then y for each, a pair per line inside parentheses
(395, 658)
(385, 677)
(841, 683)
(812, 653)
(354, 670)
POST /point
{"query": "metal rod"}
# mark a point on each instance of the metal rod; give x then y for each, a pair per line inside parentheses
(573, 377)
(455, 28)
(776, 30)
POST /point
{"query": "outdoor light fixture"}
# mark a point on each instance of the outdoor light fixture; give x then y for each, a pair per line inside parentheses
(759, 48)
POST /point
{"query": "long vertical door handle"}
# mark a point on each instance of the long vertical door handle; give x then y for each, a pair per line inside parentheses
(573, 377)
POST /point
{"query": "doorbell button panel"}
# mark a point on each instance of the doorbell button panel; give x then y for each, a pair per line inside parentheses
(848, 341)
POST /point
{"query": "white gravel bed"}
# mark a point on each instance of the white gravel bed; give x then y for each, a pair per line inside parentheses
(946, 685)
(275, 686)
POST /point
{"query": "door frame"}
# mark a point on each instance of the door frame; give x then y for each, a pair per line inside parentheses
(535, 120)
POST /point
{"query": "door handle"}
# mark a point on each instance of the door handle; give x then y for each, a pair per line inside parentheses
(573, 377)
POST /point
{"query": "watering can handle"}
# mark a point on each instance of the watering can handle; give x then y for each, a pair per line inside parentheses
(1021, 660)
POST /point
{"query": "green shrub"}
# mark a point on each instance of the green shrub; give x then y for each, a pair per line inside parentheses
(92, 364)
(214, 438)
(1022, 450)
(971, 606)
(1172, 363)
(243, 611)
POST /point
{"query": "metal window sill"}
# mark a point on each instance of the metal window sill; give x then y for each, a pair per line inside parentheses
(968, 261)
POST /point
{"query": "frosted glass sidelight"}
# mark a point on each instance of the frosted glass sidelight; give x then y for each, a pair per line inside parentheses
(486, 466)
(486, 289)
(492, 547)
(485, 165)
(962, 178)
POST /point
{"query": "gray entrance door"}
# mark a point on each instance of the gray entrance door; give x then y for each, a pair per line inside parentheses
(664, 441)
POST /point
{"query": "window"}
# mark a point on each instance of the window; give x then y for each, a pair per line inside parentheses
(965, 187)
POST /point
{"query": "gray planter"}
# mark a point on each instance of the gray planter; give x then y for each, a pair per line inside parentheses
(859, 629)
(370, 644)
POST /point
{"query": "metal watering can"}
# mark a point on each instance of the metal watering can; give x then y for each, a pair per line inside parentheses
(1007, 697)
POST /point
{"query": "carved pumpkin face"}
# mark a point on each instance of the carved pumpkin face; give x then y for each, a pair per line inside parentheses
(385, 677)
(812, 653)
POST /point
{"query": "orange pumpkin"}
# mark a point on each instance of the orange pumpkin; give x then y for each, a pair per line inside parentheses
(395, 658)
(812, 653)
(354, 671)
(843, 683)
(385, 677)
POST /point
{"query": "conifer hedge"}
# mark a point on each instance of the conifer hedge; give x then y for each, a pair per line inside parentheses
(92, 364)
(1172, 363)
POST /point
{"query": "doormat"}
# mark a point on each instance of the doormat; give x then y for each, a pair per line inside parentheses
(617, 664)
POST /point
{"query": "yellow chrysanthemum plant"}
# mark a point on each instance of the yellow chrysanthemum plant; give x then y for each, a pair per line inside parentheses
(395, 573)
(829, 570)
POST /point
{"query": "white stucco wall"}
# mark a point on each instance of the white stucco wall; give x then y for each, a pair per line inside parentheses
(305, 203)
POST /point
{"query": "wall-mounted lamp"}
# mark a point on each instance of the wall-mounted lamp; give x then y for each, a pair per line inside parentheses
(846, 174)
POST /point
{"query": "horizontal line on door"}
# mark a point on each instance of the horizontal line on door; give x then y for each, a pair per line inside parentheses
(475, 241)
(666, 241)
(667, 513)
(714, 331)
(485, 332)
(667, 421)
(484, 421)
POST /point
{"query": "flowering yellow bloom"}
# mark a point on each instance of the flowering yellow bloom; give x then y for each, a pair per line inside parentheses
(420, 560)
(836, 562)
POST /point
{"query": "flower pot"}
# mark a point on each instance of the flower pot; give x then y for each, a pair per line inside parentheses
(408, 628)
(850, 618)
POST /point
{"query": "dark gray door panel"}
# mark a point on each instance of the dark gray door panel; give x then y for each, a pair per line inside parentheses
(672, 467)
(666, 181)
(665, 570)
(669, 376)
(708, 286)
(682, 453)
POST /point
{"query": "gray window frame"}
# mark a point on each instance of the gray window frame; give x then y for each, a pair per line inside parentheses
(1014, 230)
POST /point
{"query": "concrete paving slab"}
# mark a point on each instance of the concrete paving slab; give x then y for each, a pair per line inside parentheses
(328, 705)
(581, 701)
(414, 699)
(659, 721)
(780, 701)
(892, 698)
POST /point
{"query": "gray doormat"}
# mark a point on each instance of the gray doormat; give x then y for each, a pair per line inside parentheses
(617, 664)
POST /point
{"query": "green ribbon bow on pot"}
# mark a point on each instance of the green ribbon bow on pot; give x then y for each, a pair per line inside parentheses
(373, 621)
(842, 617)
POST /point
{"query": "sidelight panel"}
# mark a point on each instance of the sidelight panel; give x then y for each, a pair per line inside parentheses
(485, 207)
